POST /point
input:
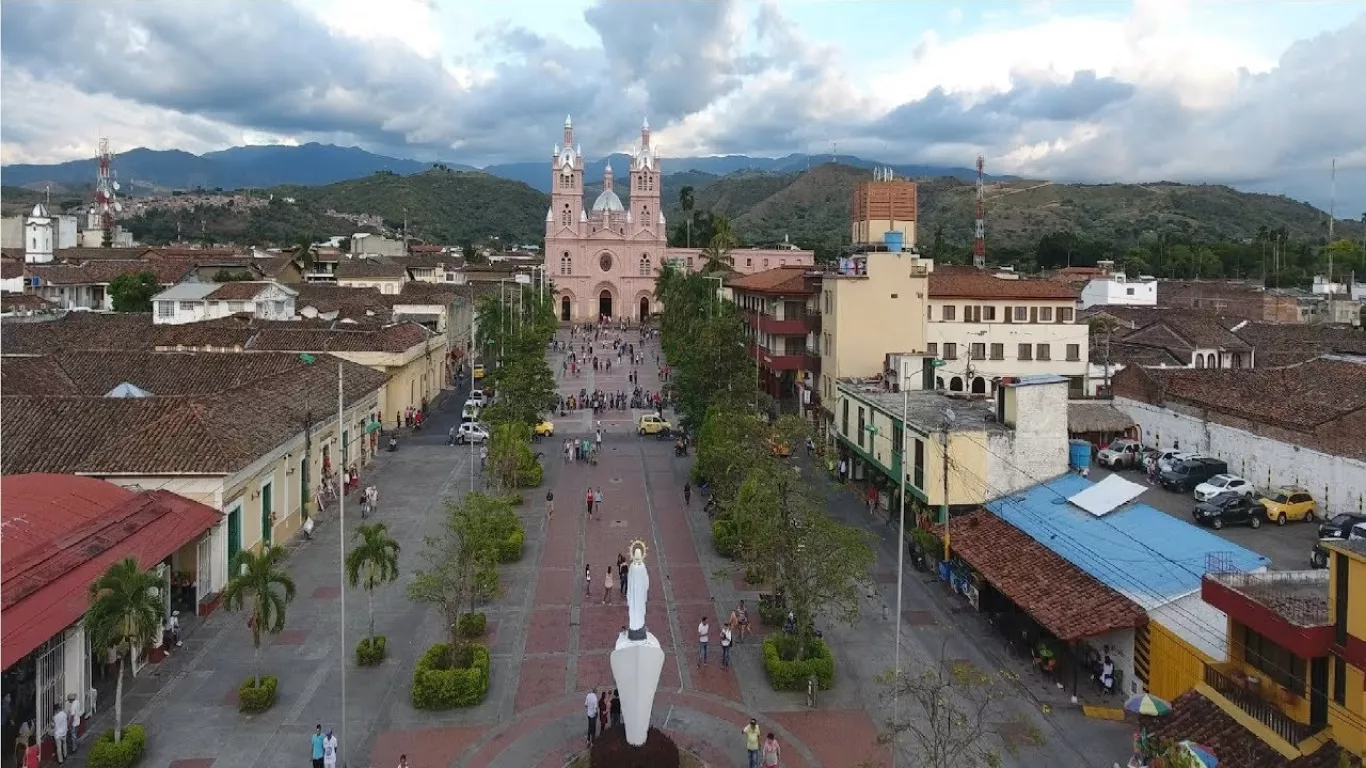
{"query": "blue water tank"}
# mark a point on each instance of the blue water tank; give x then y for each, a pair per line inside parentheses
(1078, 454)
(894, 241)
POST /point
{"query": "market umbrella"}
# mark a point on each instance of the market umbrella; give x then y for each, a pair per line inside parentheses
(1147, 704)
(1201, 753)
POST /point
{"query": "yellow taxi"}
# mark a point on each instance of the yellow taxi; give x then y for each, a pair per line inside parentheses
(479, 371)
(1289, 503)
(653, 424)
(545, 428)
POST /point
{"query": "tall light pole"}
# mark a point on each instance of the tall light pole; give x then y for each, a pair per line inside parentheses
(341, 549)
(472, 349)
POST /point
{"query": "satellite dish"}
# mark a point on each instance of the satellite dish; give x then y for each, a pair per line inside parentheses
(116, 186)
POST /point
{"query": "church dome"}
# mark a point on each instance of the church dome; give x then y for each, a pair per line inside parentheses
(39, 212)
(608, 201)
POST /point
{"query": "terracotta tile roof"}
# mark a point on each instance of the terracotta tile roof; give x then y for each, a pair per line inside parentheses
(11, 268)
(95, 373)
(422, 248)
(782, 280)
(1198, 719)
(24, 302)
(440, 293)
(12, 254)
(369, 268)
(399, 337)
(207, 336)
(357, 303)
(197, 253)
(1096, 417)
(103, 272)
(80, 330)
(78, 255)
(1188, 331)
(970, 283)
(1122, 353)
(273, 266)
(1060, 596)
(1285, 343)
(216, 433)
(243, 290)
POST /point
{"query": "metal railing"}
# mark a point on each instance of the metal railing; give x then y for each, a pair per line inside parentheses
(1264, 712)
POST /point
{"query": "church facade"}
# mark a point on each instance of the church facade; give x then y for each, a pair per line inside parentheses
(604, 257)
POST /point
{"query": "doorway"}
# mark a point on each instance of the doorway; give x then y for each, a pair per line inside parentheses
(605, 304)
(979, 386)
(564, 308)
(644, 308)
(234, 536)
(267, 512)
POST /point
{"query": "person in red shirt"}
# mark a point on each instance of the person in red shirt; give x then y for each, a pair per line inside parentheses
(588, 499)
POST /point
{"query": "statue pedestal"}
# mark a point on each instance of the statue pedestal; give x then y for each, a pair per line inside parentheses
(636, 666)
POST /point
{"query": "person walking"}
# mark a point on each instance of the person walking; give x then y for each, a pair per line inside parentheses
(588, 499)
(372, 496)
(752, 738)
(317, 742)
(725, 646)
(608, 585)
(550, 505)
(59, 725)
(687, 494)
(703, 635)
(329, 750)
(587, 580)
(622, 573)
(590, 708)
(772, 753)
(597, 501)
(604, 709)
(615, 711)
(74, 702)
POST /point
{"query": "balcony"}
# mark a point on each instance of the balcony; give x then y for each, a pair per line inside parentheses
(774, 362)
(1289, 607)
(798, 325)
(1243, 696)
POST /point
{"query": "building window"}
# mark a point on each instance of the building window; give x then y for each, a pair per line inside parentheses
(1065, 314)
(989, 313)
(932, 349)
(998, 351)
(1237, 360)
(765, 263)
(690, 262)
(1128, 291)
(1045, 314)
(950, 351)
(1020, 314)
(899, 440)
(918, 474)
(861, 427)
(977, 351)
(950, 312)
(826, 295)
(566, 217)
(1073, 352)
(1339, 681)
(566, 264)
(165, 309)
(1026, 352)
(749, 262)
(844, 419)
(1277, 663)
(1043, 353)
(237, 306)
(645, 270)
(1199, 361)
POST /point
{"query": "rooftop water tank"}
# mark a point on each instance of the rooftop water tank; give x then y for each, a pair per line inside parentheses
(894, 241)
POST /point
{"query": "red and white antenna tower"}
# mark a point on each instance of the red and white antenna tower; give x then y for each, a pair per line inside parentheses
(979, 238)
(105, 188)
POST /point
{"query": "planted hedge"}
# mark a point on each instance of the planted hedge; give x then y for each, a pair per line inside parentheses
(725, 537)
(786, 672)
(443, 680)
(105, 753)
(510, 550)
(472, 625)
(257, 698)
(371, 652)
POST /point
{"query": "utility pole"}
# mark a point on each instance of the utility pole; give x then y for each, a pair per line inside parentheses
(341, 548)
(900, 552)
(944, 507)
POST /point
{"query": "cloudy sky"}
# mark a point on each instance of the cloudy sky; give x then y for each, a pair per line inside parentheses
(1263, 94)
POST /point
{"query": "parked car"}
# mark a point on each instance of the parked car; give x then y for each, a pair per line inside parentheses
(1120, 454)
(1289, 503)
(469, 413)
(477, 398)
(1184, 476)
(1228, 508)
(653, 424)
(1165, 459)
(544, 428)
(1318, 557)
(1223, 484)
(472, 432)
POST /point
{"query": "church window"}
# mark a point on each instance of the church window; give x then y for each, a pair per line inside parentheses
(566, 217)
(645, 270)
(35, 244)
(605, 262)
(566, 264)
(646, 218)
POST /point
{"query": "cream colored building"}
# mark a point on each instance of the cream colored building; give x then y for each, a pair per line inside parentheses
(985, 326)
(360, 272)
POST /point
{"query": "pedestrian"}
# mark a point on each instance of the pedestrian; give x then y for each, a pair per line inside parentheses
(450, 435)
(772, 753)
(74, 709)
(59, 725)
(329, 750)
(687, 494)
(597, 501)
(483, 457)
(372, 495)
(32, 754)
(622, 573)
(604, 710)
(725, 645)
(550, 505)
(599, 438)
(703, 635)
(752, 737)
(364, 506)
(587, 580)
(588, 500)
(742, 628)
(317, 740)
(615, 710)
(590, 708)
(608, 584)
(872, 498)
(402, 761)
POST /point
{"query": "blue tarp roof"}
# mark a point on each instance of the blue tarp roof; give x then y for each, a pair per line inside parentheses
(1141, 552)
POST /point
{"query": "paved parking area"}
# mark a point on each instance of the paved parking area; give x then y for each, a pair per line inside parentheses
(1288, 546)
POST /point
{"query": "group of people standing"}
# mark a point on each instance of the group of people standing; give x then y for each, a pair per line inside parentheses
(603, 711)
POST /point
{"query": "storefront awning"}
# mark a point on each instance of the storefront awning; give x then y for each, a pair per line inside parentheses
(46, 584)
(1062, 598)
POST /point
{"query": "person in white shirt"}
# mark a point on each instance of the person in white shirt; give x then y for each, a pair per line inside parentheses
(59, 731)
(725, 645)
(74, 726)
(590, 708)
(703, 635)
(330, 750)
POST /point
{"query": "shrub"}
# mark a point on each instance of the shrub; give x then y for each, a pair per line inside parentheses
(254, 698)
(472, 625)
(371, 651)
(753, 575)
(787, 672)
(105, 753)
(610, 750)
(443, 680)
(513, 498)
(510, 551)
(530, 475)
(725, 537)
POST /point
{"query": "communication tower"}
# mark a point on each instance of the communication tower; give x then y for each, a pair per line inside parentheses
(979, 237)
(106, 187)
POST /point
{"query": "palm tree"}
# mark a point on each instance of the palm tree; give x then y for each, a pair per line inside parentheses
(305, 251)
(722, 240)
(263, 589)
(373, 562)
(125, 611)
(1104, 326)
(686, 202)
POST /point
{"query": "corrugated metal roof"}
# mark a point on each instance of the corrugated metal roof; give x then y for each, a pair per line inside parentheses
(1146, 555)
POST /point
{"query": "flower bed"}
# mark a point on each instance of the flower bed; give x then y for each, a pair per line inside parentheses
(106, 753)
(257, 698)
(788, 673)
(443, 682)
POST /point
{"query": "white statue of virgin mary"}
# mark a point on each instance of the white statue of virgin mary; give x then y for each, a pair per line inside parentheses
(637, 592)
(638, 659)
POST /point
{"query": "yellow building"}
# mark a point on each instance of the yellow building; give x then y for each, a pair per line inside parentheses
(1347, 614)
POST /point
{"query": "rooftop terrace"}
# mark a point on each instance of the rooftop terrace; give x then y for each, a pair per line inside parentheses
(1299, 597)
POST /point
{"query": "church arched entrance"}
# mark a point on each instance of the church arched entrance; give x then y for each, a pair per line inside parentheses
(605, 304)
(565, 305)
(644, 308)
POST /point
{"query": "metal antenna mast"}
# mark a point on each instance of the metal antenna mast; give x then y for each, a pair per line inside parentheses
(979, 237)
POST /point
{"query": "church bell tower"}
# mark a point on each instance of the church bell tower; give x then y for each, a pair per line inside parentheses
(566, 186)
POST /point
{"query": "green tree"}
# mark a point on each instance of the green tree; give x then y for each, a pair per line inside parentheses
(686, 201)
(133, 291)
(262, 589)
(228, 276)
(305, 252)
(125, 612)
(719, 246)
(728, 446)
(461, 562)
(372, 563)
(511, 461)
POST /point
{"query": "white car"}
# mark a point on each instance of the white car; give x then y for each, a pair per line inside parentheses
(470, 413)
(472, 432)
(1223, 484)
(1168, 459)
(477, 399)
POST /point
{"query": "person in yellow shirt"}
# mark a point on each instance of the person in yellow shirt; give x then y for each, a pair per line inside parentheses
(751, 732)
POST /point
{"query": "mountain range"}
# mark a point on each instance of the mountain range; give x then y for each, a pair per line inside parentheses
(149, 171)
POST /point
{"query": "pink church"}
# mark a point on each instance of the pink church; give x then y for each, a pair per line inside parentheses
(604, 258)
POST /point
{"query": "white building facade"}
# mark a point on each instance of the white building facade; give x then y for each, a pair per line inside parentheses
(192, 302)
(1119, 290)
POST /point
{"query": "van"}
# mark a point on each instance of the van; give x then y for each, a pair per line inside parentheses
(1185, 475)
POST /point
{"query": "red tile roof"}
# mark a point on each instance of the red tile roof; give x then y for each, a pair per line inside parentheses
(399, 337)
(242, 290)
(63, 531)
(1198, 719)
(167, 271)
(11, 268)
(782, 280)
(969, 283)
(25, 302)
(1060, 596)
(80, 330)
(354, 269)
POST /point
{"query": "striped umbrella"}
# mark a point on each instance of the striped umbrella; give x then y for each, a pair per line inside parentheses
(1147, 704)
(1201, 753)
